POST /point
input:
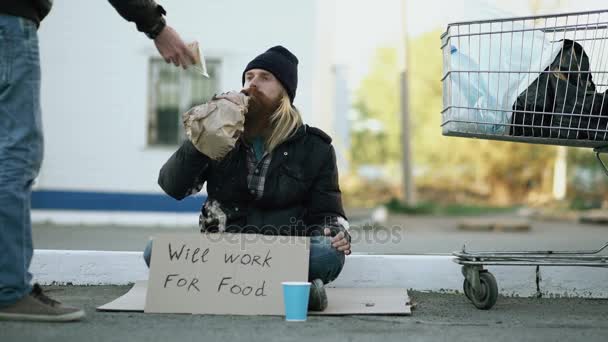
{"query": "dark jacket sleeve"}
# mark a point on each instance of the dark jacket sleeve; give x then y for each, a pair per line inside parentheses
(185, 172)
(325, 203)
(146, 14)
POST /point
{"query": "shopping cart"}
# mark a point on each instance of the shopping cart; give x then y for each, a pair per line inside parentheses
(536, 79)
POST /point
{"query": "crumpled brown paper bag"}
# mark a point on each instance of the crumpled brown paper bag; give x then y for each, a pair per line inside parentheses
(214, 127)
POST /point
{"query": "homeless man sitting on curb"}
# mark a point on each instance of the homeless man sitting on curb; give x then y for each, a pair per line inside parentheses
(279, 178)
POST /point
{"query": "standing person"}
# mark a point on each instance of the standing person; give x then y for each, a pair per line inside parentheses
(21, 141)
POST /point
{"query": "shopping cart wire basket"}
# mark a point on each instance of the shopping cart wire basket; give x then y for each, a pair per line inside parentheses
(536, 79)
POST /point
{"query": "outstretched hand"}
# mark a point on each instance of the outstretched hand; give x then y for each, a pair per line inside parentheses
(173, 49)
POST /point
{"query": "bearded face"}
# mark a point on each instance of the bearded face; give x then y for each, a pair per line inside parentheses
(264, 92)
(260, 105)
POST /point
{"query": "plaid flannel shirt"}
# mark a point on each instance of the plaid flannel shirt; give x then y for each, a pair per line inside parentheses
(256, 171)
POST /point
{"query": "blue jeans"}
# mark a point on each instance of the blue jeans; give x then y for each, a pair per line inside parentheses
(325, 262)
(21, 149)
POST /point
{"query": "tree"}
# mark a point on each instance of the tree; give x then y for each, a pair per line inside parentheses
(375, 139)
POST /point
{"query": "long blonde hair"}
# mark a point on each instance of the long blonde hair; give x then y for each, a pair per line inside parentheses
(285, 121)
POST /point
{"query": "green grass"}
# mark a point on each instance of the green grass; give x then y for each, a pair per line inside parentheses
(428, 208)
(579, 203)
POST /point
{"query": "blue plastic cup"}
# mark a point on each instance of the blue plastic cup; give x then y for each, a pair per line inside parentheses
(295, 296)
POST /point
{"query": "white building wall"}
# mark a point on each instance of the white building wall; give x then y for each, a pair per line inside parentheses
(95, 81)
(323, 75)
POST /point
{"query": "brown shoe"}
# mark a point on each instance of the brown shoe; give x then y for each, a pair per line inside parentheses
(38, 307)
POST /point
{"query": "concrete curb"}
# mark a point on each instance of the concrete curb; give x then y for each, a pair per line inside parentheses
(418, 272)
(87, 267)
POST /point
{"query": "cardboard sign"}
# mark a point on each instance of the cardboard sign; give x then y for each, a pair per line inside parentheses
(213, 273)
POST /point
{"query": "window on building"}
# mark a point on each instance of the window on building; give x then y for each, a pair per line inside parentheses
(172, 91)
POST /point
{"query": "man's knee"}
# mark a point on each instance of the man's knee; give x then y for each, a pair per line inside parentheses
(326, 262)
(19, 168)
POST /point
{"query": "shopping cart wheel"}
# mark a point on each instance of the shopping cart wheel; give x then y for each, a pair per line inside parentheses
(485, 298)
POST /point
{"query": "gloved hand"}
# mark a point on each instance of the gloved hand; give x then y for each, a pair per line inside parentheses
(214, 127)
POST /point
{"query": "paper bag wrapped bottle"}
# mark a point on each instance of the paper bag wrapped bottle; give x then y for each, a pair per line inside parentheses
(214, 127)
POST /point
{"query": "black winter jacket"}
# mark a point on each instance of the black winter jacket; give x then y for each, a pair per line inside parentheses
(301, 192)
(146, 14)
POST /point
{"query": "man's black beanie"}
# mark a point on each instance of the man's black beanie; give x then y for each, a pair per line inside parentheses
(282, 64)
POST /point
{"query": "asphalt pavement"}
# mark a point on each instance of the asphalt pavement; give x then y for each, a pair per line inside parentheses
(437, 317)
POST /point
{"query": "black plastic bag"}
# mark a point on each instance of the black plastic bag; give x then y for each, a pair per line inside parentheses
(562, 102)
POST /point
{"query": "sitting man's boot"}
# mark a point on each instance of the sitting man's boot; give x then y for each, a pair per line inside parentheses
(36, 306)
(317, 300)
